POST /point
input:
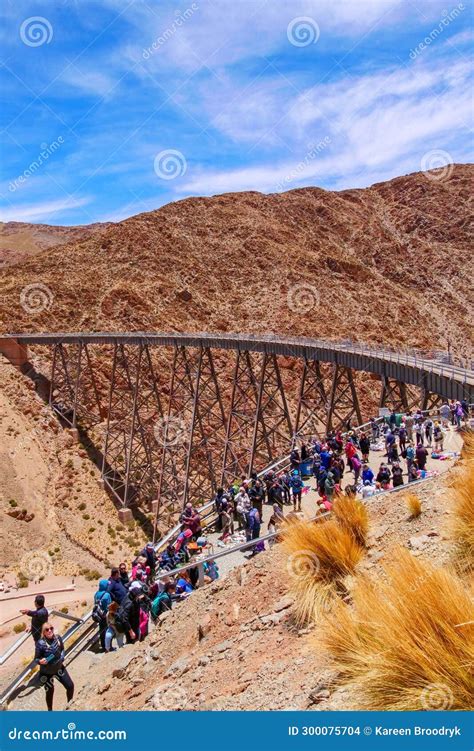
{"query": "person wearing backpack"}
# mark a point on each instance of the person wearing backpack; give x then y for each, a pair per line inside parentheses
(164, 601)
(102, 600)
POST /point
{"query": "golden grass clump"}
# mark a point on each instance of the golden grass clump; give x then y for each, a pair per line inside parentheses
(413, 505)
(462, 494)
(352, 515)
(319, 555)
(407, 643)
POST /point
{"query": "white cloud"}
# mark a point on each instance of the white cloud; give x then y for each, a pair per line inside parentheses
(89, 81)
(375, 124)
(40, 211)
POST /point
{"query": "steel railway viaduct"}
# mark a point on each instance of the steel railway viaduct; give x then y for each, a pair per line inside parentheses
(177, 415)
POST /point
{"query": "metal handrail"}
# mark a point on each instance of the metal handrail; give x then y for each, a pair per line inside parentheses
(21, 639)
(27, 670)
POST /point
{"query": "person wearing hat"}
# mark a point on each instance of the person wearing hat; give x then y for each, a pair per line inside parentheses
(148, 552)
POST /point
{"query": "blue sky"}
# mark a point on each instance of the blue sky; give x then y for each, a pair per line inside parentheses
(115, 107)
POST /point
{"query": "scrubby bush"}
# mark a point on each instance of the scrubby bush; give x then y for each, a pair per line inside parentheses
(22, 580)
(406, 643)
(19, 627)
(413, 505)
(319, 556)
(352, 515)
(462, 501)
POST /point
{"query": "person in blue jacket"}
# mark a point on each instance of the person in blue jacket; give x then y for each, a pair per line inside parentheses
(102, 599)
(296, 484)
(367, 474)
(116, 589)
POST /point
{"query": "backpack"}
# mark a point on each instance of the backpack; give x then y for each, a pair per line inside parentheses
(98, 612)
(160, 604)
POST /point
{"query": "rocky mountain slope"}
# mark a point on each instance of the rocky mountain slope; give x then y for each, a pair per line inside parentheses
(387, 264)
(20, 240)
(235, 644)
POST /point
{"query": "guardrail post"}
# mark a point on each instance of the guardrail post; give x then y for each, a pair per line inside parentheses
(200, 574)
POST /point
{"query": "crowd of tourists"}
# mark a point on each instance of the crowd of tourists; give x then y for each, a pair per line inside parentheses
(126, 602)
(132, 597)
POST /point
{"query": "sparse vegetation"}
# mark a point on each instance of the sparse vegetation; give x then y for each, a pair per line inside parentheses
(86, 517)
(413, 504)
(352, 515)
(19, 627)
(82, 506)
(89, 574)
(22, 580)
(320, 556)
(462, 495)
(13, 503)
(64, 610)
(406, 644)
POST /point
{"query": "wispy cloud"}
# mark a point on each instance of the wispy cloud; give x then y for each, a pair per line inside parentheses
(40, 211)
(225, 86)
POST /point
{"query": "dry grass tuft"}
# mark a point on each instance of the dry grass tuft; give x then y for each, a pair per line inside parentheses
(413, 505)
(462, 498)
(319, 556)
(352, 515)
(402, 645)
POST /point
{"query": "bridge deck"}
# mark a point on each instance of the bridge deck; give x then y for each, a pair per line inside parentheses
(411, 368)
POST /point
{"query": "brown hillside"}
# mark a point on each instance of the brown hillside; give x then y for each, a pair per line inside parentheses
(387, 263)
(19, 240)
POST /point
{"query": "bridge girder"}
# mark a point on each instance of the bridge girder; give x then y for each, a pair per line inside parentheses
(224, 429)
